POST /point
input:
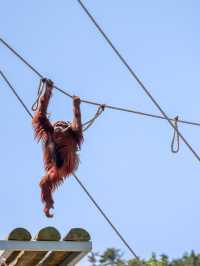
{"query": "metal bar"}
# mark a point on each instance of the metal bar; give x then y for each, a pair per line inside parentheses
(74, 246)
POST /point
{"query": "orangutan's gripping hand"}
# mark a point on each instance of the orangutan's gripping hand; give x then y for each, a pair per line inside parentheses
(76, 101)
(44, 99)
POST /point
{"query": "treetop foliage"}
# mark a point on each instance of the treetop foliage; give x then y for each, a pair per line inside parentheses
(114, 257)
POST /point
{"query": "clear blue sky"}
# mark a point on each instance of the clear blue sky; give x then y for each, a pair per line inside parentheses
(151, 194)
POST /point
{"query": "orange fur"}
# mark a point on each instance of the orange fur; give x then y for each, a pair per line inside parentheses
(60, 146)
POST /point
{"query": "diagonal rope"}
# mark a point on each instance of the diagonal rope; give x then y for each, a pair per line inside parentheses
(90, 122)
(77, 179)
(92, 102)
(15, 93)
(134, 75)
(30, 66)
(106, 217)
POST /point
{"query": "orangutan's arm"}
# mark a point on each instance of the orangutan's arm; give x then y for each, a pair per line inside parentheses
(76, 122)
(41, 123)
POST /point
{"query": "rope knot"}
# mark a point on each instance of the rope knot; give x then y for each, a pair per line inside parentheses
(49, 82)
(103, 106)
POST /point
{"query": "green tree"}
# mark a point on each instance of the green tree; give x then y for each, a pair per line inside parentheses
(135, 262)
(164, 261)
(152, 261)
(112, 257)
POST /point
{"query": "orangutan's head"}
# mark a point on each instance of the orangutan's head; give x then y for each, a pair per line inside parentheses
(60, 126)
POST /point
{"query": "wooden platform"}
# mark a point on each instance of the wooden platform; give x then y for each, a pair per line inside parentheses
(46, 249)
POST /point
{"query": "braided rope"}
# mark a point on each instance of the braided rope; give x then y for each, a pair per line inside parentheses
(90, 122)
(175, 147)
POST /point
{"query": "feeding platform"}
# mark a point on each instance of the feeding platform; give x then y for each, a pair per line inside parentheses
(46, 249)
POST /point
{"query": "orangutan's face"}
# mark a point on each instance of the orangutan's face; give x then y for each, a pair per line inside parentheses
(60, 126)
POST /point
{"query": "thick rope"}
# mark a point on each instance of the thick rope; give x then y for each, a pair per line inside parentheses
(77, 179)
(92, 102)
(15, 93)
(90, 122)
(175, 146)
(41, 89)
(135, 77)
(107, 219)
(86, 125)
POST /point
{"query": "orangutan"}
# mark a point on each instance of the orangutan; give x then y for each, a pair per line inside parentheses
(61, 141)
